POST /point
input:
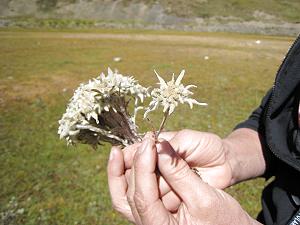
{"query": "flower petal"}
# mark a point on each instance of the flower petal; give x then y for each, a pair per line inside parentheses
(161, 80)
(190, 86)
(109, 71)
(179, 78)
(171, 109)
(173, 78)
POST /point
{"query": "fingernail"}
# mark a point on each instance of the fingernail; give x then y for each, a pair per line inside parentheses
(159, 147)
(112, 154)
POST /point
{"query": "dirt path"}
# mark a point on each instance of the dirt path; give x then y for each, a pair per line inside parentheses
(247, 41)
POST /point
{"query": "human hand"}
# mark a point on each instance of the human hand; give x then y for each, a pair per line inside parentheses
(201, 203)
(119, 177)
(203, 151)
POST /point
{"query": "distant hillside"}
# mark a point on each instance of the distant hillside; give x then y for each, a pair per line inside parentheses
(250, 16)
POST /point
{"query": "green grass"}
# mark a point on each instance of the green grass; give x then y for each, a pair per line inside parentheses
(55, 184)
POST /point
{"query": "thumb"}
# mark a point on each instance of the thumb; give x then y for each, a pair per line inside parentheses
(147, 203)
(188, 185)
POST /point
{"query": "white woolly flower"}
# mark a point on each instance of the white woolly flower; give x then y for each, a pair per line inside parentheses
(170, 94)
(98, 110)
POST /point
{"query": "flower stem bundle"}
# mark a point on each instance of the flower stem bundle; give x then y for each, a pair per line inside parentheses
(99, 110)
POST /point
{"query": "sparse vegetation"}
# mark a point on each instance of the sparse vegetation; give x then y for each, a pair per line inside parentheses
(286, 10)
(46, 5)
(271, 17)
(245, 10)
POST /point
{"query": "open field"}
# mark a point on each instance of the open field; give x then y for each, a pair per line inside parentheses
(45, 182)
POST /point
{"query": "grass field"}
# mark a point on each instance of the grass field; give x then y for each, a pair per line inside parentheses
(45, 182)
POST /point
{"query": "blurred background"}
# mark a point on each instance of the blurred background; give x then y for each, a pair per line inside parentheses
(230, 49)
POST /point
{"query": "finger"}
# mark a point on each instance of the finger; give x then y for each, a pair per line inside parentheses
(127, 175)
(171, 202)
(130, 150)
(150, 208)
(181, 144)
(129, 154)
(130, 197)
(195, 147)
(180, 177)
(208, 175)
(117, 183)
(167, 135)
(163, 186)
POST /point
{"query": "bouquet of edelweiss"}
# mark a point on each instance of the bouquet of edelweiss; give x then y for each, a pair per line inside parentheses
(99, 110)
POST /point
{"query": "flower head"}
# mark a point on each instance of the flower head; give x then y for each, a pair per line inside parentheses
(98, 110)
(170, 94)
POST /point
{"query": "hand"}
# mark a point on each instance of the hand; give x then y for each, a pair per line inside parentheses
(201, 203)
(204, 151)
(201, 150)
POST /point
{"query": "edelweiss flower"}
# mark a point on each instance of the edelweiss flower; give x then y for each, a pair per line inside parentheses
(170, 94)
(98, 111)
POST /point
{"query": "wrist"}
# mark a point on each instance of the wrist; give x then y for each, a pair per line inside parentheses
(231, 159)
(244, 155)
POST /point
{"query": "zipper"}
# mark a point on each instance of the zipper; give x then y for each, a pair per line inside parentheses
(295, 219)
(273, 88)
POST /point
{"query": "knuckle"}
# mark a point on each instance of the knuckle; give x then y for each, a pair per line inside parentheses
(140, 204)
(118, 207)
(129, 196)
(127, 175)
(130, 199)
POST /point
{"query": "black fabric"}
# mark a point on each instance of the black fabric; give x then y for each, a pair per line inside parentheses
(278, 205)
(276, 120)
